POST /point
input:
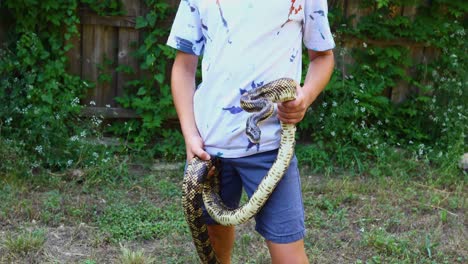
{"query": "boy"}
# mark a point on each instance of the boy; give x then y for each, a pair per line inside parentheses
(245, 44)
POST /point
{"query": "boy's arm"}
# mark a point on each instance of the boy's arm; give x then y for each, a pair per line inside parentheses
(183, 88)
(318, 75)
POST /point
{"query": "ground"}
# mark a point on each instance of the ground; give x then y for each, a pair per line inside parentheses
(75, 217)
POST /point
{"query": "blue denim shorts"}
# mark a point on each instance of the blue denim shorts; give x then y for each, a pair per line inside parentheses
(281, 220)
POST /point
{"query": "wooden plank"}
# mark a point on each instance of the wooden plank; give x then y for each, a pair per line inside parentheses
(410, 11)
(131, 7)
(109, 112)
(89, 65)
(74, 54)
(128, 43)
(114, 21)
(354, 10)
(99, 46)
(5, 23)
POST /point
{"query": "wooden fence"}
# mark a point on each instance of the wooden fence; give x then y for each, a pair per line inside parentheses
(108, 42)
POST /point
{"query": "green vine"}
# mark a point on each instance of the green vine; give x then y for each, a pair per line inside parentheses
(153, 105)
(356, 119)
(39, 100)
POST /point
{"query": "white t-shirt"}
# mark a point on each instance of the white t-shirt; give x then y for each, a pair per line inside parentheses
(244, 44)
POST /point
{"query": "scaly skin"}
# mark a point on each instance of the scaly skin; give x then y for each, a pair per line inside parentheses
(198, 187)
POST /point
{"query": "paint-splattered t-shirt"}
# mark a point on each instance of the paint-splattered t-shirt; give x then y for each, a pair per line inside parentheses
(244, 44)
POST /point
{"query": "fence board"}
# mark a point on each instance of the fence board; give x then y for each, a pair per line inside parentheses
(128, 41)
(99, 50)
(74, 54)
(131, 7)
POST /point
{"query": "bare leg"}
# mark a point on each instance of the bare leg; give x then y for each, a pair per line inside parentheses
(292, 253)
(222, 240)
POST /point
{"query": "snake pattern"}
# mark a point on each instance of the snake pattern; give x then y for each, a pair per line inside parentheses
(199, 188)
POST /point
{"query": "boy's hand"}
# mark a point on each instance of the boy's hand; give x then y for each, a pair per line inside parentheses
(194, 147)
(292, 112)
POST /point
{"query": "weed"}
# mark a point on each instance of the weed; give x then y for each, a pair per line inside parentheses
(26, 242)
(134, 257)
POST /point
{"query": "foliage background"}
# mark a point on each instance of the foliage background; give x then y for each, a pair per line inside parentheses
(353, 126)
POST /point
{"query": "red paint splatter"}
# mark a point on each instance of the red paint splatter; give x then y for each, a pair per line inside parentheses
(292, 10)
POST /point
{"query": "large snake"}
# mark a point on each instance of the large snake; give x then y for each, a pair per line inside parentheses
(198, 187)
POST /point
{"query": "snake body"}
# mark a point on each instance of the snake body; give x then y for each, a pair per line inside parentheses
(198, 188)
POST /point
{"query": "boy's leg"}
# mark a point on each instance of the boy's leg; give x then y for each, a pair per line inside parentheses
(291, 253)
(222, 240)
(222, 237)
(281, 220)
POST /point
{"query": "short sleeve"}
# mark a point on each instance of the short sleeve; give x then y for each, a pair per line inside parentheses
(186, 32)
(317, 33)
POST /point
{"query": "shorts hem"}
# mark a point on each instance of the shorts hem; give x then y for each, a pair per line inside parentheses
(286, 239)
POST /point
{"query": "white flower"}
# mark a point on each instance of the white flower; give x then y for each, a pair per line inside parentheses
(92, 103)
(356, 101)
(69, 162)
(363, 109)
(333, 133)
(8, 120)
(74, 138)
(95, 155)
(379, 123)
(75, 101)
(108, 105)
(38, 149)
(83, 134)
(362, 85)
(364, 45)
(333, 114)
(334, 104)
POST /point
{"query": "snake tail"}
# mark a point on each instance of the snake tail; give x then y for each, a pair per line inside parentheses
(194, 179)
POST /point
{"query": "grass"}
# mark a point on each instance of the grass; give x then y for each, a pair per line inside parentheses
(134, 257)
(23, 244)
(389, 217)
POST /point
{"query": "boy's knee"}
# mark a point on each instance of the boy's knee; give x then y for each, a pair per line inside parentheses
(291, 253)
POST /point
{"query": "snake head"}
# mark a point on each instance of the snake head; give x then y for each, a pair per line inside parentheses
(253, 133)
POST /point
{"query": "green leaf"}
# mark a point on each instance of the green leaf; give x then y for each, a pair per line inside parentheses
(141, 23)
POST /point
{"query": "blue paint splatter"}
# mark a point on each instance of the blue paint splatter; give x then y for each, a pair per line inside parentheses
(293, 56)
(233, 109)
(256, 85)
(219, 154)
(311, 17)
(235, 129)
(192, 8)
(205, 28)
(200, 40)
(253, 85)
(323, 37)
(320, 12)
(225, 23)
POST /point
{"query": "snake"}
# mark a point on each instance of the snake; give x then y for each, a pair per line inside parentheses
(201, 184)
